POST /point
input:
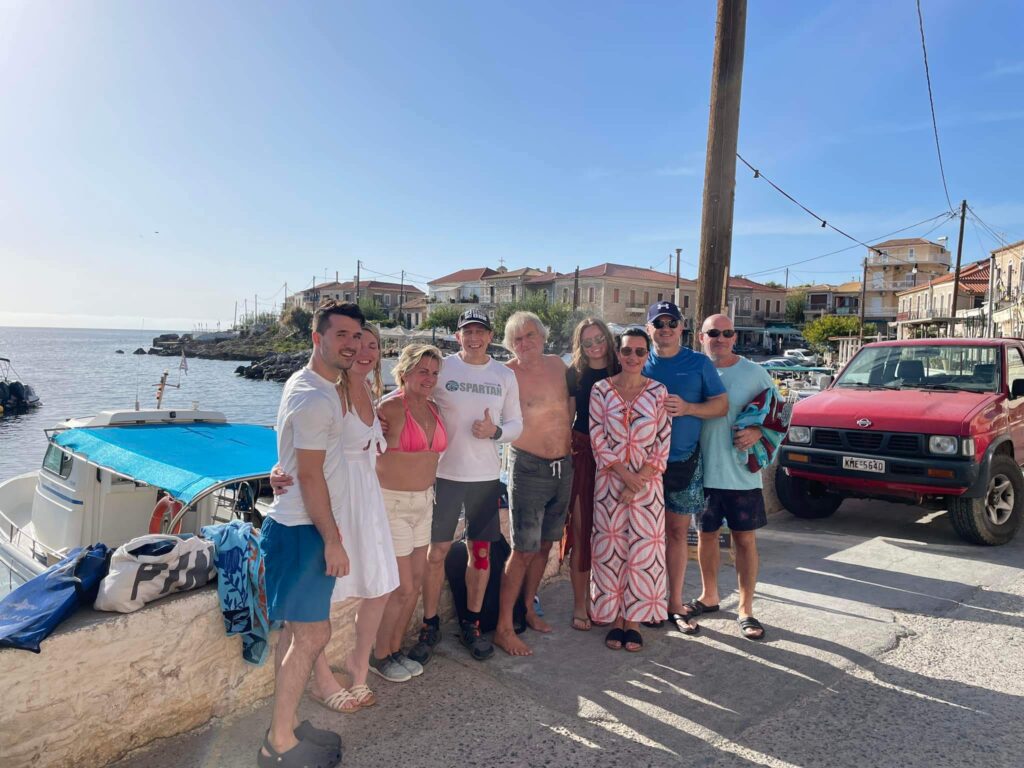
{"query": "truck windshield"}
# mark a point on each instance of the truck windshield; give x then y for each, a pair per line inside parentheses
(966, 368)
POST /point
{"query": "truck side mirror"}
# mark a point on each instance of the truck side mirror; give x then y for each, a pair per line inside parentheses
(1017, 389)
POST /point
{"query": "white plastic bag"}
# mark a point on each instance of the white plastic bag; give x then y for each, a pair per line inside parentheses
(136, 579)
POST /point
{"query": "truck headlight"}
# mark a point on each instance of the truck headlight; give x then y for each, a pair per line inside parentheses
(942, 444)
(800, 435)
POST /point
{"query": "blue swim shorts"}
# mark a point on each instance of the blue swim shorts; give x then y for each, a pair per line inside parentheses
(298, 587)
(688, 500)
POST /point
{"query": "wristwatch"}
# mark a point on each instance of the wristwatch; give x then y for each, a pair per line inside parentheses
(497, 433)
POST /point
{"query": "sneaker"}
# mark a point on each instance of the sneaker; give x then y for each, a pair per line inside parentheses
(424, 648)
(414, 667)
(389, 669)
(480, 647)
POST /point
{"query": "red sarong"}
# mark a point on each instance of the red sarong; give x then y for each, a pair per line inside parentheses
(581, 501)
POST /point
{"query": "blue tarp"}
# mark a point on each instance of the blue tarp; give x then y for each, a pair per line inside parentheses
(31, 612)
(183, 459)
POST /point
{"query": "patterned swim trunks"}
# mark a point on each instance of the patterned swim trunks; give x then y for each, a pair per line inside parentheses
(688, 500)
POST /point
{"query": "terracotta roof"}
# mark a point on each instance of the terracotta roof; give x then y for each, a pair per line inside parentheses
(852, 287)
(524, 272)
(420, 302)
(973, 280)
(905, 241)
(629, 273)
(365, 285)
(547, 277)
(1009, 247)
(742, 282)
(464, 276)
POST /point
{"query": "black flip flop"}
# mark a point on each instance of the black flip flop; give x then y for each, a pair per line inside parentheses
(683, 623)
(749, 622)
(615, 635)
(634, 637)
(697, 608)
(654, 624)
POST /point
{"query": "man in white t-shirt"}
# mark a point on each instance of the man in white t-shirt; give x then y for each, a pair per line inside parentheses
(479, 402)
(302, 549)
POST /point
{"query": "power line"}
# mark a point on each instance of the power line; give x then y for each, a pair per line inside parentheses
(998, 236)
(943, 216)
(784, 193)
(931, 103)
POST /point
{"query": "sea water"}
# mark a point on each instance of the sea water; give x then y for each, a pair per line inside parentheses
(78, 372)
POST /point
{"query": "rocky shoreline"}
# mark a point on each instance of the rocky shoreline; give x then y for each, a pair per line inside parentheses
(265, 363)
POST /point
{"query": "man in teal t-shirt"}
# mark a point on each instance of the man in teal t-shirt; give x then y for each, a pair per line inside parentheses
(732, 493)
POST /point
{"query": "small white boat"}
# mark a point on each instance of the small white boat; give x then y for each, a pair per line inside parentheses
(105, 478)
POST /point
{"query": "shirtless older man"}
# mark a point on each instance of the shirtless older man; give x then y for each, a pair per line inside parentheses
(540, 478)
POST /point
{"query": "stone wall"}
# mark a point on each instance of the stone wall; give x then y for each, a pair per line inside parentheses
(106, 684)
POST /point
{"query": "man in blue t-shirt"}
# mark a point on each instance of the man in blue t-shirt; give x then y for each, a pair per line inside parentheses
(695, 393)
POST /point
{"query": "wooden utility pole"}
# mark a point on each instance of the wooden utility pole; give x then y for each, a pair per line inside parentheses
(863, 291)
(576, 289)
(720, 166)
(401, 299)
(956, 274)
(359, 266)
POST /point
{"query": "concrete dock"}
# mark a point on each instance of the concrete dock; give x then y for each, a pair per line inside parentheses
(890, 643)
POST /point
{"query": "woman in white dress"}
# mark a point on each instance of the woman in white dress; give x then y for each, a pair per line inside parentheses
(365, 532)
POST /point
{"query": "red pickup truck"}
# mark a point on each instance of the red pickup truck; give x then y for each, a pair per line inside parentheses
(938, 422)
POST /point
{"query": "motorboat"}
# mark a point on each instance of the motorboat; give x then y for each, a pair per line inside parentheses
(15, 395)
(124, 473)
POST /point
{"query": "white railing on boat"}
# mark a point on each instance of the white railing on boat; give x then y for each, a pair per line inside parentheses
(27, 545)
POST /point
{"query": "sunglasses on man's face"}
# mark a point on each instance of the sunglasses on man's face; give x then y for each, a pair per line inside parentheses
(630, 351)
(588, 343)
(714, 333)
(671, 323)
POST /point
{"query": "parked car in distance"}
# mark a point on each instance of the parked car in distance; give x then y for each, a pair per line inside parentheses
(779, 362)
(933, 422)
(802, 357)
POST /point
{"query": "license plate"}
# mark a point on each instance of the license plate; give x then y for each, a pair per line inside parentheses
(863, 465)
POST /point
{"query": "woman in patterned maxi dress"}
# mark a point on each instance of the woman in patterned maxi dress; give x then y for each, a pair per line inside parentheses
(629, 432)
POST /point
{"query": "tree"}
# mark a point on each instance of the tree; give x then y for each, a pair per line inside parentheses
(372, 311)
(795, 307)
(442, 316)
(297, 320)
(818, 332)
(558, 317)
(774, 284)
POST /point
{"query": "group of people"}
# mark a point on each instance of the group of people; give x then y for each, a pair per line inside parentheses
(628, 441)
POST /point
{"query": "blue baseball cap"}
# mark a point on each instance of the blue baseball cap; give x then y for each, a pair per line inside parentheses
(663, 308)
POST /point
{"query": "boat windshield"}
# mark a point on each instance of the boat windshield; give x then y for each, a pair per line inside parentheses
(940, 367)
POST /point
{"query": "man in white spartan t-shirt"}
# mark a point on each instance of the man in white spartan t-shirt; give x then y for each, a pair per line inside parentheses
(479, 402)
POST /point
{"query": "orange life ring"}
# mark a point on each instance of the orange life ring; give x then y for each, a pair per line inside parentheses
(165, 509)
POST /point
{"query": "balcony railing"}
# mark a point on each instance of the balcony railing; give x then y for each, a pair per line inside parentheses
(904, 259)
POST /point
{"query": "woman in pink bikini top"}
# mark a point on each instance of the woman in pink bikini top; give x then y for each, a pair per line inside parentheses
(407, 470)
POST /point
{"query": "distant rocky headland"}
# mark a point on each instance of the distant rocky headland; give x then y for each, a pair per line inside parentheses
(272, 356)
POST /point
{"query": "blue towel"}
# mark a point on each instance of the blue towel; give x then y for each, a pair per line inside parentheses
(241, 587)
(29, 614)
(767, 411)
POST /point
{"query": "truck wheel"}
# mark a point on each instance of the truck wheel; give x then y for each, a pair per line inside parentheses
(805, 498)
(994, 518)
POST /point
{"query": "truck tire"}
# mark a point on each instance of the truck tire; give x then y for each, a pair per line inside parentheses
(994, 518)
(803, 498)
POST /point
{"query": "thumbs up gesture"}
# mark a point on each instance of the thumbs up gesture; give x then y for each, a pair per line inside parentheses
(484, 428)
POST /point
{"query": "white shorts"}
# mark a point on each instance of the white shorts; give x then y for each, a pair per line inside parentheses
(409, 514)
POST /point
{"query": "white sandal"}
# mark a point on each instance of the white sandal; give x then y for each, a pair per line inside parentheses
(341, 701)
(363, 695)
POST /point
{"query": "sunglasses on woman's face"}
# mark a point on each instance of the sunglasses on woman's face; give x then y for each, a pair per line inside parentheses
(588, 343)
(714, 333)
(671, 323)
(630, 351)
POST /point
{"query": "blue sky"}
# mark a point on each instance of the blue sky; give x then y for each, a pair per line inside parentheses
(163, 160)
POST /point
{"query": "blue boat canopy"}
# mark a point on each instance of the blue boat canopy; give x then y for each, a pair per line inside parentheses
(186, 460)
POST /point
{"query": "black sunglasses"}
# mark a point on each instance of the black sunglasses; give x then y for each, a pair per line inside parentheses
(659, 323)
(588, 343)
(630, 351)
(714, 333)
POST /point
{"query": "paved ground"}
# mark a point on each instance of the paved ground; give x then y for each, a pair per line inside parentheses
(902, 648)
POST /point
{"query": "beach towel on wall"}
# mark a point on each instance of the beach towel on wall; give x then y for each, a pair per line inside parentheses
(153, 566)
(767, 411)
(241, 586)
(30, 613)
